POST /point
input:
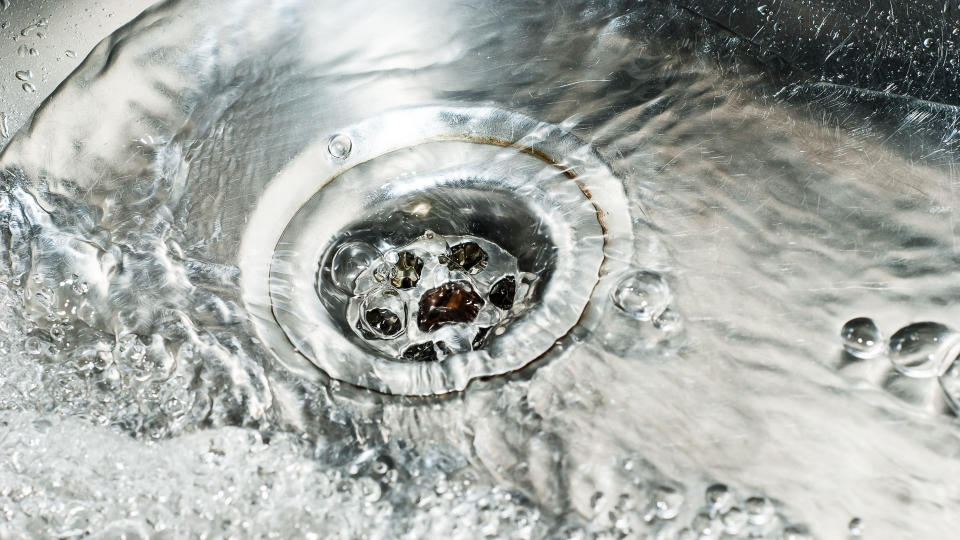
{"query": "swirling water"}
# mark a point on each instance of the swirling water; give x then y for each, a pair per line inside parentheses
(138, 400)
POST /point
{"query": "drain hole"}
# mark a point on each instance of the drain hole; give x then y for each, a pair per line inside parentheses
(503, 293)
(468, 257)
(405, 273)
(453, 302)
(421, 352)
(420, 265)
(435, 296)
(385, 323)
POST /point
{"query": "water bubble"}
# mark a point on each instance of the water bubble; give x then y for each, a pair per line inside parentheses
(70, 54)
(706, 527)
(734, 520)
(759, 510)
(33, 346)
(668, 322)
(718, 497)
(340, 146)
(928, 42)
(921, 349)
(665, 504)
(34, 52)
(24, 75)
(29, 88)
(642, 295)
(23, 50)
(862, 338)
(855, 526)
(349, 261)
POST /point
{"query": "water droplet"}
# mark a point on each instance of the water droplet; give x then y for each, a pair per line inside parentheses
(862, 338)
(4, 126)
(734, 520)
(922, 349)
(642, 295)
(718, 497)
(796, 532)
(349, 261)
(23, 50)
(34, 52)
(856, 526)
(706, 527)
(763, 9)
(29, 88)
(340, 146)
(665, 504)
(33, 346)
(928, 42)
(596, 499)
(24, 75)
(669, 321)
(759, 510)
(70, 54)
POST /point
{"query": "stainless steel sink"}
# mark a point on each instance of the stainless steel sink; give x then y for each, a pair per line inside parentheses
(577, 269)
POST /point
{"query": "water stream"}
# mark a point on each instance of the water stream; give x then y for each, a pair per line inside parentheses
(712, 397)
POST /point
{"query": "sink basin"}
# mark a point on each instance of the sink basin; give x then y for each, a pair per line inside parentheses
(578, 269)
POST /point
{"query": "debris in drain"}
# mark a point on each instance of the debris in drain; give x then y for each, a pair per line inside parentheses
(420, 301)
(421, 352)
(452, 302)
(384, 322)
(468, 257)
(406, 273)
(503, 292)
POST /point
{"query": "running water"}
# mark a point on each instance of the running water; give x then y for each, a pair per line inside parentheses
(713, 395)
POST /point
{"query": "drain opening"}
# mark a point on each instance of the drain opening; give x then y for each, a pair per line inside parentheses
(435, 296)
(420, 260)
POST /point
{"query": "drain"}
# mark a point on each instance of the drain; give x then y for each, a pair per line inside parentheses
(436, 250)
(440, 292)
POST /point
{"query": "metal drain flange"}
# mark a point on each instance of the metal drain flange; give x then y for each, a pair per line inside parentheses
(418, 250)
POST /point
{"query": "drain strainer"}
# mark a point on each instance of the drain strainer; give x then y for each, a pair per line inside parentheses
(427, 247)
